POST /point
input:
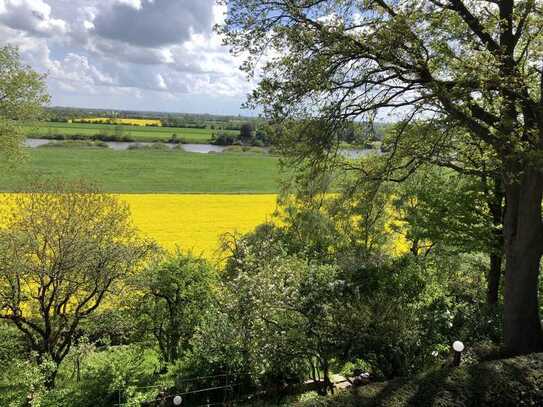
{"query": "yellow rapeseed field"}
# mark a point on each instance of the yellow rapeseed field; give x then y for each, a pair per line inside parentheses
(196, 222)
(130, 122)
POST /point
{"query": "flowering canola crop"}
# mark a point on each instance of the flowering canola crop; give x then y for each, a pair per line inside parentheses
(196, 222)
(108, 120)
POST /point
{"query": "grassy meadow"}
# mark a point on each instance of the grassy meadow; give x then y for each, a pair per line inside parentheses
(137, 133)
(149, 171)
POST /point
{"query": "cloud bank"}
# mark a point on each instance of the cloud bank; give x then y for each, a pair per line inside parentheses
(131, 54)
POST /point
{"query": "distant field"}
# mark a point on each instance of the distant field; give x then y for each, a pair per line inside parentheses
(109, 120)
(143, 171)
(138, 133)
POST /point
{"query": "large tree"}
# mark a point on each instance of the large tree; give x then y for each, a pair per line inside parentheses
(475, 63)
(22, 94)
(63, 254)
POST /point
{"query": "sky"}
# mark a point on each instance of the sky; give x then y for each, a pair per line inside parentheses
(158, 55)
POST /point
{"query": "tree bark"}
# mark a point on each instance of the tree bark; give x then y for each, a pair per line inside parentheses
(523, 246)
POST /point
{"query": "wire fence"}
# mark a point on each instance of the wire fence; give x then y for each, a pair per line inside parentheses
(227, 389)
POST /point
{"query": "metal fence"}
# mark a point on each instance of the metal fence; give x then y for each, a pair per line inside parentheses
(217, 390)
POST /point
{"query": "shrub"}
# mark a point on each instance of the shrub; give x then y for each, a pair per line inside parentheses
(151, 146)
(110, 375)
(244, 149)
(175, 139)
(76, 144)
(223, 139)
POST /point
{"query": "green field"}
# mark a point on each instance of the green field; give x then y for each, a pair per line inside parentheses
(137, 133)
(149, 171)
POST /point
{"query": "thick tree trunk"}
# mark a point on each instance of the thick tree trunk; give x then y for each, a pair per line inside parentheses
(523, 246)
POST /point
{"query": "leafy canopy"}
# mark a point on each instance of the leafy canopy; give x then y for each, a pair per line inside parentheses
(22, 94)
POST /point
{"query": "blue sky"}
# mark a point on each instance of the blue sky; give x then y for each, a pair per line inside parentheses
(157, 55)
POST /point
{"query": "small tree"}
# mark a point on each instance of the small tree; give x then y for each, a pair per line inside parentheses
(246, 132)
(63, 253)
(176, 291)
(22, 94)
(289, 314)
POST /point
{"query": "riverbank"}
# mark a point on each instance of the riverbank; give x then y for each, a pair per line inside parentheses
(351, 153)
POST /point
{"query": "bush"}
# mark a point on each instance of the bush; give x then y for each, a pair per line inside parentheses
(244, 149)
(349, 369)
(117, 373)
(22, 383)
(96, 137)
(223, 139)
(151, 146)
(76, 144)
(175, 139)
(246, 133)
(111, 137)
(117, 326)
(13, 343)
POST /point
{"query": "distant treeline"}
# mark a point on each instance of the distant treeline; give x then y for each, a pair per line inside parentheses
(360, 134)
(63, 114)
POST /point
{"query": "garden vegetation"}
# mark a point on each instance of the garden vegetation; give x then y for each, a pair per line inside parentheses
(373, 264)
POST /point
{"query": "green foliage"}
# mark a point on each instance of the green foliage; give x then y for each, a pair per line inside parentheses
(176, 292)
(114, 325)
(295, 309)
(76, 144)
(12, 343)
(394, 312)
(22, 95)
(358, 365)
(461, 79)
(107, 377)
(223, 139)
(23, 382)
(244, 149)
(246, 132)
(217, 346)
(441, 207)
(64, 249)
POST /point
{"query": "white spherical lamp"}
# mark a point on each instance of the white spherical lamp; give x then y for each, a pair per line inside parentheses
(177, 400)
(458, 346)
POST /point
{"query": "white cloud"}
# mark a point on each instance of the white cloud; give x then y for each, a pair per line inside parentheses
(132, 3)
(161, 83)
(33, 16)
(97, 51)
(154, 23)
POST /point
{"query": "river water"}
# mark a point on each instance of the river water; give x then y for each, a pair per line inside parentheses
(191, 148)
